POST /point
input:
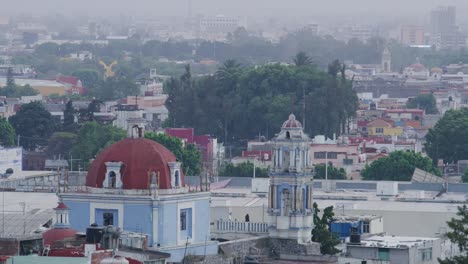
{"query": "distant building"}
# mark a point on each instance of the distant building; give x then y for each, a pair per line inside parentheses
(220, 24)
(411, 35)
(362, 224)
(11, 160)
(445, 33)
(398, 250)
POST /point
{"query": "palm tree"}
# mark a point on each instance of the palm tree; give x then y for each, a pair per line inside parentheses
(227, 70)
(302, 59)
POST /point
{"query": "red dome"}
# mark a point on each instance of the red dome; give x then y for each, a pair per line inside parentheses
(292, 122)
(57, 234)
(138, 157)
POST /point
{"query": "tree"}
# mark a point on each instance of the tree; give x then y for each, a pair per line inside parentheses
(61, 144)
(398, 166)
(321, 232)
(34, 124)
(459, 236)
(7, 133)
(302, 59)
(448, 140)
(114, 88)
(88, 77)
(93, 138)
(333, 172)
(189, 155)
(244, 169)
(10, 79)
(426, 102)
(465, 176)
(69, 124)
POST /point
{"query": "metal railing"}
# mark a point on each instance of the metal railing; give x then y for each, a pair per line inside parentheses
(226, 226)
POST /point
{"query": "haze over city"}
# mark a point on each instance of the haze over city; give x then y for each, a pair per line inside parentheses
(234, 131)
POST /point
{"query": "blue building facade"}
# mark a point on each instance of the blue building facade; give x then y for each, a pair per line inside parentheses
(142, 190)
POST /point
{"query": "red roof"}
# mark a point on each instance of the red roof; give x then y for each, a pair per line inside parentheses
(184, 133)
(68, 79)
(61, 205)
(138, 156)
(57, 234)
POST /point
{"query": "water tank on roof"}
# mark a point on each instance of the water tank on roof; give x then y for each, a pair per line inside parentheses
(94, 234)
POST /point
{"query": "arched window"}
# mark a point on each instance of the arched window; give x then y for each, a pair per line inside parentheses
(177, 179)
(288, 135)
(112, 179)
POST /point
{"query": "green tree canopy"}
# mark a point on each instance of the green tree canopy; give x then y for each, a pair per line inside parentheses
(239, 103)
(189, 155)
(465, 176)
(302, 59)
(333, 172)
(7, 133)
(459, 236)
(244, 169)
(114, 88)
(398, 166)
(34, 124)
(448, 140)
(69, 115)
(61, 144)
(321, 232)
(93, 138)
(426, 102)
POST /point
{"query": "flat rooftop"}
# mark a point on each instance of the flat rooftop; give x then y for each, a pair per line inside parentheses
(350, 200)
(394, 241)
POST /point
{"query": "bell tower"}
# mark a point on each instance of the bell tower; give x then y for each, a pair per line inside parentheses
(290, 194)
(386, 60)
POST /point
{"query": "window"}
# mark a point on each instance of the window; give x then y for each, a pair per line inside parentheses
(112, 179)
(108, 219)
(379, 130)
(332, 155)
(384, 254)
(426, 254)
(183, 220)
(365, 227)
(347, 161)
(185, 223)
(319, 155)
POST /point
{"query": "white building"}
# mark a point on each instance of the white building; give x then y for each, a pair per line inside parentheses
(290, 195)
(11, 160)
(400, 250)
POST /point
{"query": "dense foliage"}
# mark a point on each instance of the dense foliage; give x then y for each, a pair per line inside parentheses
(321, 232)
(448, 140)
(34, 124)
(93, 138)
(332, 172)
(7, 133)
(61, 144)
(398, 166)
(426, 102)
(465, 176)
(240, 103)
(188, 155)
(244, 169)
(459, 236)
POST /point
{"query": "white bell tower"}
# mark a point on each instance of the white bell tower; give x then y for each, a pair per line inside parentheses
(290, 195)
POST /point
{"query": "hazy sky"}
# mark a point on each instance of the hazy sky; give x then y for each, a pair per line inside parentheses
(230, 7)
